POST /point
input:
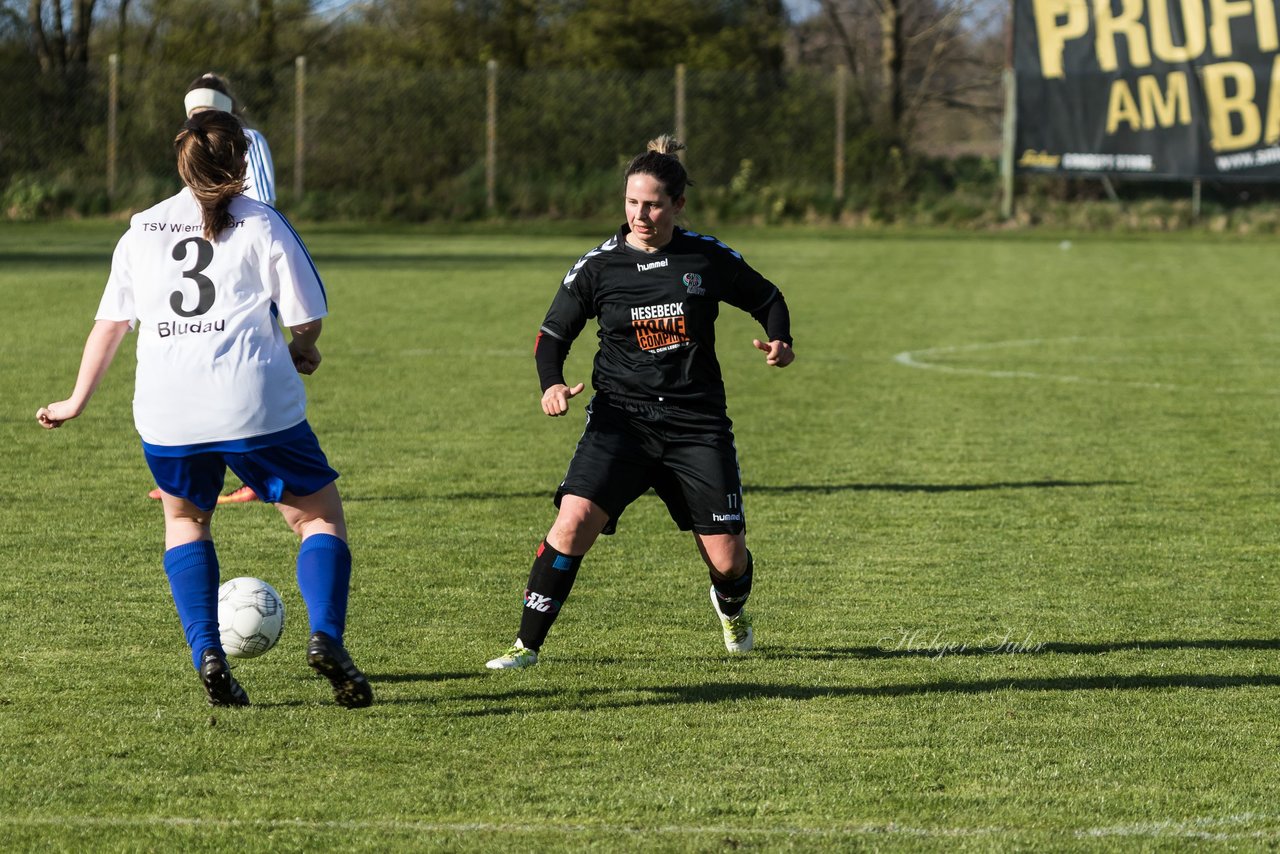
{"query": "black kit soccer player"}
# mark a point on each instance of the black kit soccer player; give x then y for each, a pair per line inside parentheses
(658, 418)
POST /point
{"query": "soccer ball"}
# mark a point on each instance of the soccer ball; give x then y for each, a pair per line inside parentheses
(250, 617)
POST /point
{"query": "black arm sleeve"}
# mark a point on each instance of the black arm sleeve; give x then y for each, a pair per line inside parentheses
(549, 354)
(775, 318)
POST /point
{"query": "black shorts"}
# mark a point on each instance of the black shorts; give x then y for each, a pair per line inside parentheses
(687, 457)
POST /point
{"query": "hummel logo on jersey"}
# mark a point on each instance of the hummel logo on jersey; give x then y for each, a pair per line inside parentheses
(538, 602)
(652, 265)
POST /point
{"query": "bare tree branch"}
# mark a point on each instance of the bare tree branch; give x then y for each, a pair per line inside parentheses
(842, 35)
(81, 27)
(847, 47)
(35, 19)
(56, 47)
(916, 57)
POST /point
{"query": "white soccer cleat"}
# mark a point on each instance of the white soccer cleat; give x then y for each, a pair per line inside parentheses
(515, 657)
(738, 636)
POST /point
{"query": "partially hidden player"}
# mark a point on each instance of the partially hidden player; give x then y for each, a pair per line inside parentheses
(207, 277)
(658, 418)
(213, 92)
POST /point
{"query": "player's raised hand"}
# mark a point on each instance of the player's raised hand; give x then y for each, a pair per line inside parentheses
(555, 400)
(778, 354)
(55, 415)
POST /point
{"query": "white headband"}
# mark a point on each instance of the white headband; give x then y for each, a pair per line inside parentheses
(211, 99)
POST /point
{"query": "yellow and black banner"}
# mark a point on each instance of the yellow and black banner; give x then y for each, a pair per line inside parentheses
(1168, 89)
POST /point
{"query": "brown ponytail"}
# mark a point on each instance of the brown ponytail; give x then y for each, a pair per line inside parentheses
(211, 149)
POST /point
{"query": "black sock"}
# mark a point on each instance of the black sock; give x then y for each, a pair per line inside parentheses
(550, 581)
(732, 593)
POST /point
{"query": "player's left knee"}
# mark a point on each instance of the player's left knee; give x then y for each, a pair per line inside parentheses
(730, 563)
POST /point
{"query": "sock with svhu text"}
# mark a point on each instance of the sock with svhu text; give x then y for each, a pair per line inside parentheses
(550, 580)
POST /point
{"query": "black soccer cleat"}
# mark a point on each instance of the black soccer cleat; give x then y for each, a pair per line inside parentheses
(326, 656)
(219, 684)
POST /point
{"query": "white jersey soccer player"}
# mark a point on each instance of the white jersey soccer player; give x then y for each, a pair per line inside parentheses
(260, 177)
(203, 311)
(207, 278)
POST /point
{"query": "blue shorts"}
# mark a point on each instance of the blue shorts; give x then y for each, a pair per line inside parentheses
(289, 461)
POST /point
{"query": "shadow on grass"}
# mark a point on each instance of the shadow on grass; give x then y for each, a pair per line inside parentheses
(938, 487)
(599, 699)
(379, 678)
(820, 488)
(927, 650)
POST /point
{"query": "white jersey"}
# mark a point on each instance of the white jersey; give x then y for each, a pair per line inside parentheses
(213, 364)
(260, 174)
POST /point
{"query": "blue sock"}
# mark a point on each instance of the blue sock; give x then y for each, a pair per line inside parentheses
(324, 575)
(193, 578)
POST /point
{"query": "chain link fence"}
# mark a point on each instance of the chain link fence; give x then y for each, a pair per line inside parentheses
(414, 144)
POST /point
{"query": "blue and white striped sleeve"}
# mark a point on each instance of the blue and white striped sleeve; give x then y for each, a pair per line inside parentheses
(261, 173)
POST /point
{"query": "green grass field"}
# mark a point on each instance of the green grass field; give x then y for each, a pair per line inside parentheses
(1014, 512)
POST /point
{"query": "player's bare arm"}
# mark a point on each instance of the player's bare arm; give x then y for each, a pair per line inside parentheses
(302, 347)
(99, 349)
(555, 400)
(778, 354)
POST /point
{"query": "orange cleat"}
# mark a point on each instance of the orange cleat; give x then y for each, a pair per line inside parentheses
(240, 496)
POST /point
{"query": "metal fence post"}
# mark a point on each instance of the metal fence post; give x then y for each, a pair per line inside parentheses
(842, 72)
(299, 125)
(1008, 134)
(113, 110)
(491, 137)
(680, 124)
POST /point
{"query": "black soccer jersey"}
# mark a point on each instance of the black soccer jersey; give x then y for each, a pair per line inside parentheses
(657, 313)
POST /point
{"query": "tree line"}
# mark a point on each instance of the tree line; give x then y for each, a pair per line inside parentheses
(913, 66)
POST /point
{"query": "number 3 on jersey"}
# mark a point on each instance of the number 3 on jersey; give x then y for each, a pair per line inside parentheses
(204, 257)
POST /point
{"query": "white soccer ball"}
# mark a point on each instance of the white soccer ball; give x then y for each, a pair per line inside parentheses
(250, 617)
